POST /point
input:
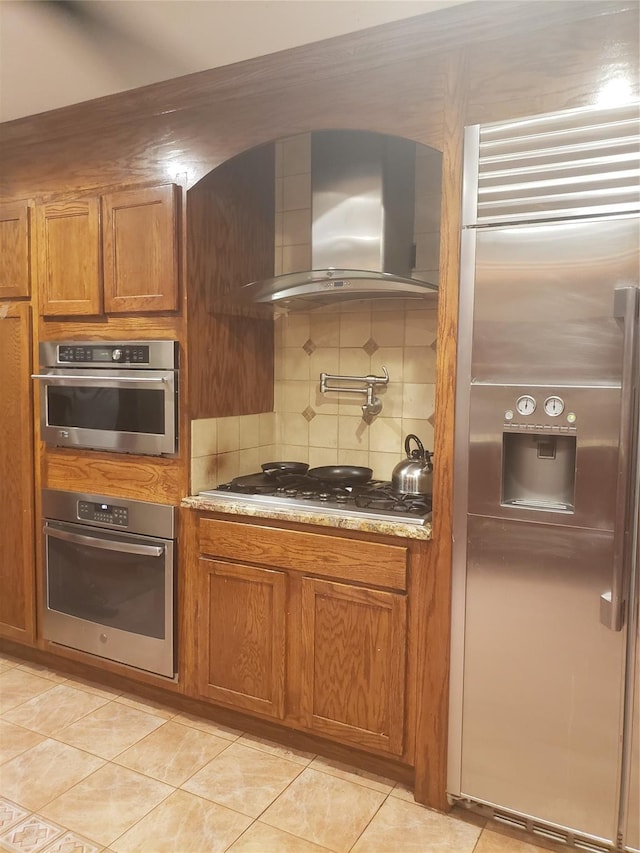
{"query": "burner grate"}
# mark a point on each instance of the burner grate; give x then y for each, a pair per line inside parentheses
(376, 498)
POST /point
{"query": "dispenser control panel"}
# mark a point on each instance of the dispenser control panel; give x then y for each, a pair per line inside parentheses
(552, 414)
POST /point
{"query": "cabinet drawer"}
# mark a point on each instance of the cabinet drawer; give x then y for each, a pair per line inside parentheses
(372, 563)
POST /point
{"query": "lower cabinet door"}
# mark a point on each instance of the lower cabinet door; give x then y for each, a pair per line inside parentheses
(241, 641)
(354, 655)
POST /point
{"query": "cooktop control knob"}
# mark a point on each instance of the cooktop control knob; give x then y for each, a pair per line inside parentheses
(116, 355)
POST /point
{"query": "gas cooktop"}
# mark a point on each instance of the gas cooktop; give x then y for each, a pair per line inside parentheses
(374, 500)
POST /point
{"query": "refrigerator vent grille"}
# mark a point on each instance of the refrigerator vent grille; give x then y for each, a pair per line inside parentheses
(591, 847)
(573, 163)
(556, 834)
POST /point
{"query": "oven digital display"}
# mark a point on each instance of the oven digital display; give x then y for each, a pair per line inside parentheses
(103, 513)
(101, 354)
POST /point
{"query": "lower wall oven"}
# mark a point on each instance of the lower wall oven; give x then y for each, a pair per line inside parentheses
(109, 578)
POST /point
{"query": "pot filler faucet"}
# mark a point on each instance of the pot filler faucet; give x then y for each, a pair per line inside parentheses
(373, 405)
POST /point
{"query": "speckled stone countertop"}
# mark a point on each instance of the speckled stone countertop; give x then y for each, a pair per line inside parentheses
(386, 528)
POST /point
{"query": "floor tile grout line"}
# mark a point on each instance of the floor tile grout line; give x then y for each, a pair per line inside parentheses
(14, 707)
(54, 735)
(141, 818)
(248, 745)
(284, 831)
(368, 823)
(258, 748)
(288, 786)
(110, 758)
(66, 829)
(155, 779)
(95, 754)
(181, 786)
(38, 695)
(77, 720)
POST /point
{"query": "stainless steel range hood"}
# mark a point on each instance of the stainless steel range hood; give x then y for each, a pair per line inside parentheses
(361, 232)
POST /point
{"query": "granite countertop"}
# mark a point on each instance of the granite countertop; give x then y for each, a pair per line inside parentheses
(309, 516)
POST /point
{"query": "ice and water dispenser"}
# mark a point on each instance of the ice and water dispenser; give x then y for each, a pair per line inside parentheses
(541, 453)
(539, 471)
(539, 458)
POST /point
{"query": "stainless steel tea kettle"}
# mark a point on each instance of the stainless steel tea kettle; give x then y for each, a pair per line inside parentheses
(413, 476)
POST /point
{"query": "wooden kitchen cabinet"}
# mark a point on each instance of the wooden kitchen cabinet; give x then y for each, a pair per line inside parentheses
(353, 664)
(305, 627)
(140, 244)
(69, 275)
(241, 659)
(115, 253)
(15, 256)
(17, 554)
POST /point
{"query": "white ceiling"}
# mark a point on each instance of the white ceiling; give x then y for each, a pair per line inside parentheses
(53, 54)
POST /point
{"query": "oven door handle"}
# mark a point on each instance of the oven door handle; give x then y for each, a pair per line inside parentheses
(104, 544)
(85, 379)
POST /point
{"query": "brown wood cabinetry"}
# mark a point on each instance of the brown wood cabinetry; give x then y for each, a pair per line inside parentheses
(116, 254)
(353, 663)
(306, 627)
(68, 235)
(16, 475)
(241, 660)
(140, 244)
(15, 269)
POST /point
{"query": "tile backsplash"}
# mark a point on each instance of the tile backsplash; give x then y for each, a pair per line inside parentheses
(327, 429)
(356, 338)
(293, 211)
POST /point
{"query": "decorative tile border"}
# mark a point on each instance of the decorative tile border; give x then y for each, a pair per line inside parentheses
(72, 843)
(10, 813)
(23, 832)
(30, 835)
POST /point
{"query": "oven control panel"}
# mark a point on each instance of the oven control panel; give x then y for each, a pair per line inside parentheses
(103, 354)
(103, 513)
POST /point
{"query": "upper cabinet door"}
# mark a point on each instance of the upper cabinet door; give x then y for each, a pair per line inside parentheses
(14, 250)
(140, 247)
(69, 257)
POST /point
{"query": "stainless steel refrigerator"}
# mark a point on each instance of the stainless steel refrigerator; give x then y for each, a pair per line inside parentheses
(544, 678)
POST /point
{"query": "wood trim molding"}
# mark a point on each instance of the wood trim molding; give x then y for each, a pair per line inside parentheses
(433, 679)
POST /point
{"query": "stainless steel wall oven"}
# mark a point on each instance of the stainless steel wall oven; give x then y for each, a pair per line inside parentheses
(109, 578)
(117, 396)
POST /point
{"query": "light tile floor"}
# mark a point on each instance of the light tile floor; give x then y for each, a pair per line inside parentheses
(84, 769)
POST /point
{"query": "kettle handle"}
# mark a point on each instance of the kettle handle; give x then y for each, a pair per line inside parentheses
(413, 454)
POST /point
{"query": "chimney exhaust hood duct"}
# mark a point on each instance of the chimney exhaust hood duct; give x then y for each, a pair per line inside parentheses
(362, 224)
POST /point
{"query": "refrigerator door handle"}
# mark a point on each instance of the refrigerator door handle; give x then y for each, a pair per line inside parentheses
(612, 602)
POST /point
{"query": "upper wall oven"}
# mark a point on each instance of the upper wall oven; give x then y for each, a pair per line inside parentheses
(118, 396)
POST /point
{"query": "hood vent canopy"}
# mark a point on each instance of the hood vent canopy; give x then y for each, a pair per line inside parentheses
(360, 226)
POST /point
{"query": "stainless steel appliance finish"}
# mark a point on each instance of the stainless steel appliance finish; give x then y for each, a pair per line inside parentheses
(361, 237)
(110, 395)
(109, 578)
(544, 713)
(375, 499)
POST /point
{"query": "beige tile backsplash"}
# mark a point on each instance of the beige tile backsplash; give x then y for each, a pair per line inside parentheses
(356, 338)
(328, 429)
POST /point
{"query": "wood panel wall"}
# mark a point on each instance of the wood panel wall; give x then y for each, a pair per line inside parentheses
(524, 55)
(423, 78)
(230, 242)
